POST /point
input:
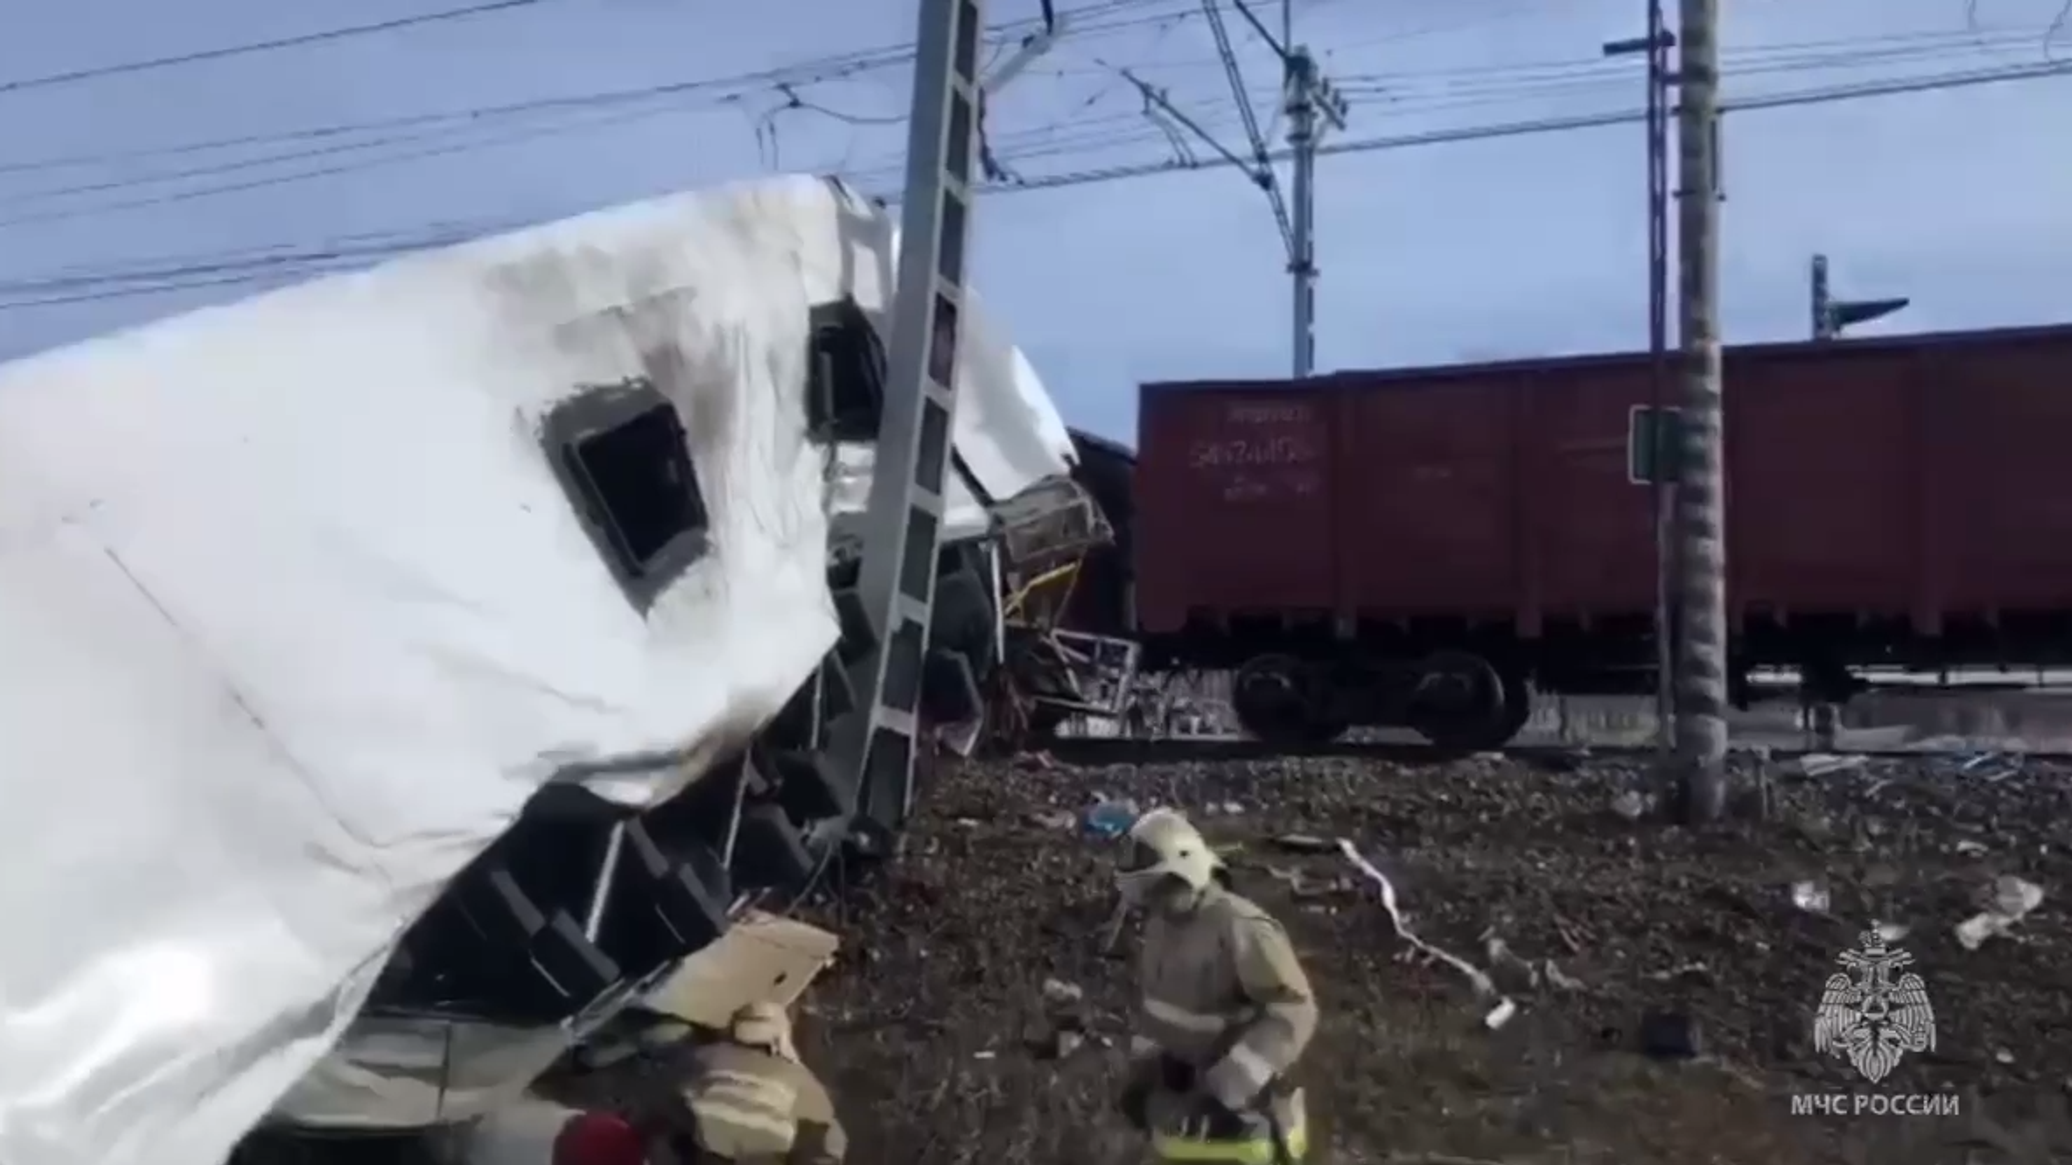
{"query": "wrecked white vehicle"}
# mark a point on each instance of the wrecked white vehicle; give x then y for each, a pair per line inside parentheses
(378, 655)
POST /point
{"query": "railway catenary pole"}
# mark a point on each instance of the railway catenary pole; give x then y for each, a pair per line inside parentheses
(1661, 492)
(903, 522)
(1824, 324)
(1701, 568)
(1313, 107)
(1831, 315)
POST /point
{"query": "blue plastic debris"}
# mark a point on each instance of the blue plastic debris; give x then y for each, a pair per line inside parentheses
(1111, 819)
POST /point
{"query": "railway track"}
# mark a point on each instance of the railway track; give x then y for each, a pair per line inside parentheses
(1104, 750)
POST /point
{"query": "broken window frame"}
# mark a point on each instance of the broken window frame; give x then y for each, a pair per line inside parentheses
(594, 411)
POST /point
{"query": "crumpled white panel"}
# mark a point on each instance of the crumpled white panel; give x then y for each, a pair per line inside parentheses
(294, 618)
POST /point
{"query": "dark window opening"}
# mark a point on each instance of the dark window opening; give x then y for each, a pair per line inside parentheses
(625, 459)
(845, 374)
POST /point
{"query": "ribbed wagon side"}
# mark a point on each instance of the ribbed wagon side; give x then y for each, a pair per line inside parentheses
(1417, 546)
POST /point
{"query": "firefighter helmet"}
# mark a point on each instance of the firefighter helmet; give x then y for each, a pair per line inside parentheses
(1162, 845)
(762, 1024)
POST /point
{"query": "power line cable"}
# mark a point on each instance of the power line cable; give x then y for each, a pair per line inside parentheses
(1099, 17)
(293, 265)
(1574, 123)
(336, 149)
(73, 76)
(1493, 93)
(1486, 96)
(354, 167)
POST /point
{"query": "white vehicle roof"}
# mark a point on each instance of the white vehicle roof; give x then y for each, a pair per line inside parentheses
(296, 612)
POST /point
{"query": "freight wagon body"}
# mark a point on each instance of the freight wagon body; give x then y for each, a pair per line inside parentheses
(1416, 546)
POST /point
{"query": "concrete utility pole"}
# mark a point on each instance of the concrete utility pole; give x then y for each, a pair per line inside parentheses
(1701, 690)
(1313, 107)
(903, 524)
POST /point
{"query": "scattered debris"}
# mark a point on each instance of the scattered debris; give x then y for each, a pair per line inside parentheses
(1632, 804)
(1305, 843)
(955, 1033)
(1054, 819)
(1111, 819)
(1820, 764)
(2006, 901)
(1060, 992)
(1993, 766)
(1811, 897)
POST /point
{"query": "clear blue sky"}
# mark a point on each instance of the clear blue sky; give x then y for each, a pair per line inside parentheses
(1518, 246)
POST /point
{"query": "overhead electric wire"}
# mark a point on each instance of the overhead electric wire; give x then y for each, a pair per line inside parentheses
(1096, 18)
(339, 149)
(467, 147)
(203, 274)
(72, 76)
(1764, 59)
(1569, 124)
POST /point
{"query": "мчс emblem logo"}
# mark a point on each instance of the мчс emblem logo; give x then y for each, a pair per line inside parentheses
(1869, 1015)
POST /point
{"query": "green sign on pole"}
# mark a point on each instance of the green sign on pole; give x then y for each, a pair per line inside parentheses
(1651, 444)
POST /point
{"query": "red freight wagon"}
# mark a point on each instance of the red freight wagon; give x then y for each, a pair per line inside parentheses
(1413, 546)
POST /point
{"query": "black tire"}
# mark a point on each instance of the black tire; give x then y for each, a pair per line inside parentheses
(1469, 712)
(1518, 704)
(1275, 699)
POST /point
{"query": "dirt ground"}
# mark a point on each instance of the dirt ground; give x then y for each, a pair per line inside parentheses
(943, 1042)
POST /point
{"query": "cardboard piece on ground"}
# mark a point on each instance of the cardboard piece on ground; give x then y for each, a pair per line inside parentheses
(762, 958)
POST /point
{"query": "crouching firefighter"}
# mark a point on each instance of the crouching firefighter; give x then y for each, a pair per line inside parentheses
(1225, 1009)
(750, 1099)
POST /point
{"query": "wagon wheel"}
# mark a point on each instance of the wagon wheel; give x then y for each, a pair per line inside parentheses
(1277, 701)
(1460, 702)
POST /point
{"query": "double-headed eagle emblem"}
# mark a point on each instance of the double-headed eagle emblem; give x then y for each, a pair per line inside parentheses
(1870, 1016)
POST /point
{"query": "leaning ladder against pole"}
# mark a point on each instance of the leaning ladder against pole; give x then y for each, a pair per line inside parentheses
(903, 524)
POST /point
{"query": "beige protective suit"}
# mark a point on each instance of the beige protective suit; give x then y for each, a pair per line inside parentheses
(751, 1100)
(1225, 1009)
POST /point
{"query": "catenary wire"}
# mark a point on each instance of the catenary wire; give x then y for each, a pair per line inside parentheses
(1397, 103)
(1569, 124)
(1096, 18)
(297, 266)
(201, 56)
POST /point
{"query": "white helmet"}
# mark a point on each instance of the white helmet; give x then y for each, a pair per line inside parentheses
(1163, 844)
(763, 1025)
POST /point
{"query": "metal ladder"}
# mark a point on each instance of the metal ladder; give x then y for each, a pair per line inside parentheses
(902, 526)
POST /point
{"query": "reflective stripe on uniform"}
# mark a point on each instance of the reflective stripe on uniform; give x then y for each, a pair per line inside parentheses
(1196, 1022)
(1257, 1072)
(1246, 1151)
(743, 1115)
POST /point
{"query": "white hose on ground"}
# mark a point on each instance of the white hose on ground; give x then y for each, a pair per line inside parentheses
(1484, 986)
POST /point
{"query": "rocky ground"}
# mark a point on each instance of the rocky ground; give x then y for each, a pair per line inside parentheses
(978, 1013)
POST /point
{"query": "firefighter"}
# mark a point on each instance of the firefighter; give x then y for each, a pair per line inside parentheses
(749, 1098)
(1225, 1009)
